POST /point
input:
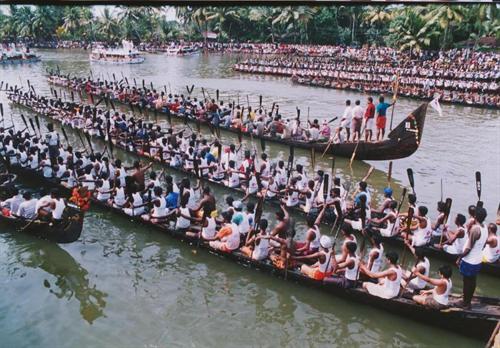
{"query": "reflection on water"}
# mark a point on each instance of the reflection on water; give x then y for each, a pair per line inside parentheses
(71, 279)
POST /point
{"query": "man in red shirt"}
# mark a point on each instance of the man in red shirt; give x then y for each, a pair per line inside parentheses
(369, 119)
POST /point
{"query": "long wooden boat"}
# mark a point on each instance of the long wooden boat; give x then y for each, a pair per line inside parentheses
(487, 268)
(402, 141)
(479, 321)
(307, 81)
(68, 231)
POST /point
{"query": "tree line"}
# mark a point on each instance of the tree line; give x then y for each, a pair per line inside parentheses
(439, 26)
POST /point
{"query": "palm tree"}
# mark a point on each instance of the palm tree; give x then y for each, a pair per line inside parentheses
(201, 17)
(23, 22)
(413, 33)
(43, 22)
(446, 17)
(263, 16)
(377, 15)
(108, 26)
(225, 18)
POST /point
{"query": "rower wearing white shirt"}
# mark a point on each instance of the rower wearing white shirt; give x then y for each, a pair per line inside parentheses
(438, 297)
(27, 209)
(13, 202)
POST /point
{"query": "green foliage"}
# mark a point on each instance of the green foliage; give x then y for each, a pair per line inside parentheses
(407, 27)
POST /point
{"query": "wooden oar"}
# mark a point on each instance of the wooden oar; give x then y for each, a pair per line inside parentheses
(389, 174)
(65, 135)
(394, 98)
(368, 173)
(411, 179)
(25, 123)
(87, 136)
(478, 188)
(333, 167)
(356, 147)
(37, 122)
(33, 127)
(313, 159)
(409, 218)
(401, 200)
(22, 229)
(447, 208)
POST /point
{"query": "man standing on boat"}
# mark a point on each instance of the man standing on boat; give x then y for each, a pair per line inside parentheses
(52, 138)
(470, 260)
(369, 119)
(381, 111)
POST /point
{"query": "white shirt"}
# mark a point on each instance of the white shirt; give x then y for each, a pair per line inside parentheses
(27, 209)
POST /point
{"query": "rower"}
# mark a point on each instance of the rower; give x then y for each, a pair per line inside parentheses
(437, 297)
(206, 204)
(348, 234)
(134, 203)
(491, 251)
(12, 204)
(323, 267)
(422, 266)
(358, 223)
(282, 227)
(389, 219)
(423, 233)
(438, 227)
(43, 207)
(139, 174)
(454, 243)
(103, 188)
(244, 225)
(257, 245)
(376, 253)
(390, 279)
(311, 244)
(384, 208)
(470, 260)
(27, 209)
(184, 216)
(58, 206)
(228, 237)
(349, 268)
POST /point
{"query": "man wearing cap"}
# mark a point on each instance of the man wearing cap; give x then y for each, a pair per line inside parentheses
(228, 237)
(244, 225)
(323, 267)
(384, 208)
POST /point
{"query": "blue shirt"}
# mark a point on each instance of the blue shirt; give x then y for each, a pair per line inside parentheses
(382, 108)
(171, 200)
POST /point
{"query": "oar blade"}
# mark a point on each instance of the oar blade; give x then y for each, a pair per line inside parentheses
(478, 185)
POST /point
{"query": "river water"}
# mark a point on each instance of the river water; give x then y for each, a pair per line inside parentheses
(125, 285)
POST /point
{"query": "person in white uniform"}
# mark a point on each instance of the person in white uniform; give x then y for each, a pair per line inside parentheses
(471, 259)
(389, 280)
(438, 296)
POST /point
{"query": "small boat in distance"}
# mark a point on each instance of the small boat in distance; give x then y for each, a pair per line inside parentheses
(13, 55)
(127, 54)
(182, 50)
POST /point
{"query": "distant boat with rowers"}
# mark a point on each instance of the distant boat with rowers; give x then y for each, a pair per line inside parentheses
(127, 54)
(12, 55)
(182, 50)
